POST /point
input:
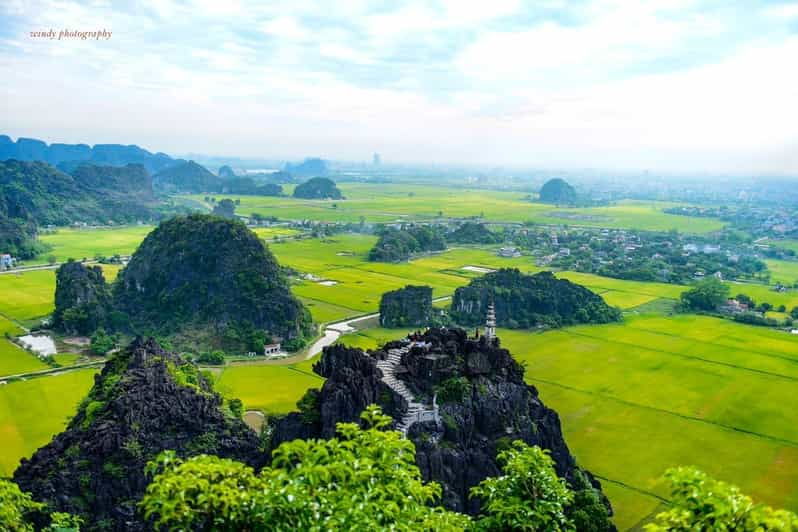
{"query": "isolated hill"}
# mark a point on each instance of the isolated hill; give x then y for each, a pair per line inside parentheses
(146, 400)
(484, 404)
(473, 233)
(206, 272)
(226, 172)
(25, 149)
(410, 306)
(557, 191)
(82, 299)
(311, 166)
(523, 301)
(318, 188)
(187, 177)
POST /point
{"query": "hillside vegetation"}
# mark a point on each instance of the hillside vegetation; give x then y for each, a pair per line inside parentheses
(524, 301)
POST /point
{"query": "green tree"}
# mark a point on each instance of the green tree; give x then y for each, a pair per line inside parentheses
(706, 295)
(51, 259)
(528, 496)
(102, 343)
(363, 479)
(17, 508)
(794, 313)
(700, 503)
(236, 407)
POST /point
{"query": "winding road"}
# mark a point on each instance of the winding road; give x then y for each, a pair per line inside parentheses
(333, 331)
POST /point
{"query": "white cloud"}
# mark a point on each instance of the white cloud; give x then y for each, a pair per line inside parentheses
(783, 11)
(183, 77)
(284, 27)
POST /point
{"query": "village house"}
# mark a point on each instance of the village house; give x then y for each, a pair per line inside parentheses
(732, 306)
(272, 350)
(6, 261)
(509, 252)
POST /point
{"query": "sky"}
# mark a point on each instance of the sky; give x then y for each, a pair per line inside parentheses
(678, 85)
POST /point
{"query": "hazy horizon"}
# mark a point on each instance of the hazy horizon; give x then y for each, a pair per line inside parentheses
(670, 87)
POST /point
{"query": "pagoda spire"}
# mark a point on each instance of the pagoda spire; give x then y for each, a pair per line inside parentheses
(490, 323)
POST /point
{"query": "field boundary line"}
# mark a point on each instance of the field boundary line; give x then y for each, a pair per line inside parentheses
(632, 488)
(691, 357)
(670, 412)
(14, 321)
(46, 372)
(754, 351)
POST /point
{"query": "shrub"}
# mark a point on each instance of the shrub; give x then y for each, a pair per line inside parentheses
(453, 390)
(700, 502)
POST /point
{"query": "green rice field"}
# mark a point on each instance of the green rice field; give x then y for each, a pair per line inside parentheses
(30, 295)
(391, 202)
(783, 271)
(271, 389)
(15, 360)
(33, 411)
(88, 242)
(656, 392)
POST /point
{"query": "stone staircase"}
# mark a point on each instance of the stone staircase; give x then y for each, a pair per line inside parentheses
(415, 411)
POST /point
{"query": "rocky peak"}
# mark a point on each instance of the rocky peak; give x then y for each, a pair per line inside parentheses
(146, 400)
(473, 386)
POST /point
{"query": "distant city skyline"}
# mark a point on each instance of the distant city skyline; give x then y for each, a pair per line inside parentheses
(667, 86)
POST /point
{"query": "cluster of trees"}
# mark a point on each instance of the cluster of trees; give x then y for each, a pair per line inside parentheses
(710, 294)
(706, 296)
(473, 233)
(225, 208)
(396, 245)
(646, 255)
(523, 301)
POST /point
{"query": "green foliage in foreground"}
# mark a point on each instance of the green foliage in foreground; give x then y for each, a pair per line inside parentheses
(18, 509)
(701, 503)
(363, 479)
(529, 496)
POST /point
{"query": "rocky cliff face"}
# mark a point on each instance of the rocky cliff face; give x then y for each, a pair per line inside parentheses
(353, 382)
(484, 405)
(82, 299)
(410, 306)
(146, 400)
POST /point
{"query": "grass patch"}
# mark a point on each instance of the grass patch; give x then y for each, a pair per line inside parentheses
(783, 271)
(268, 388)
